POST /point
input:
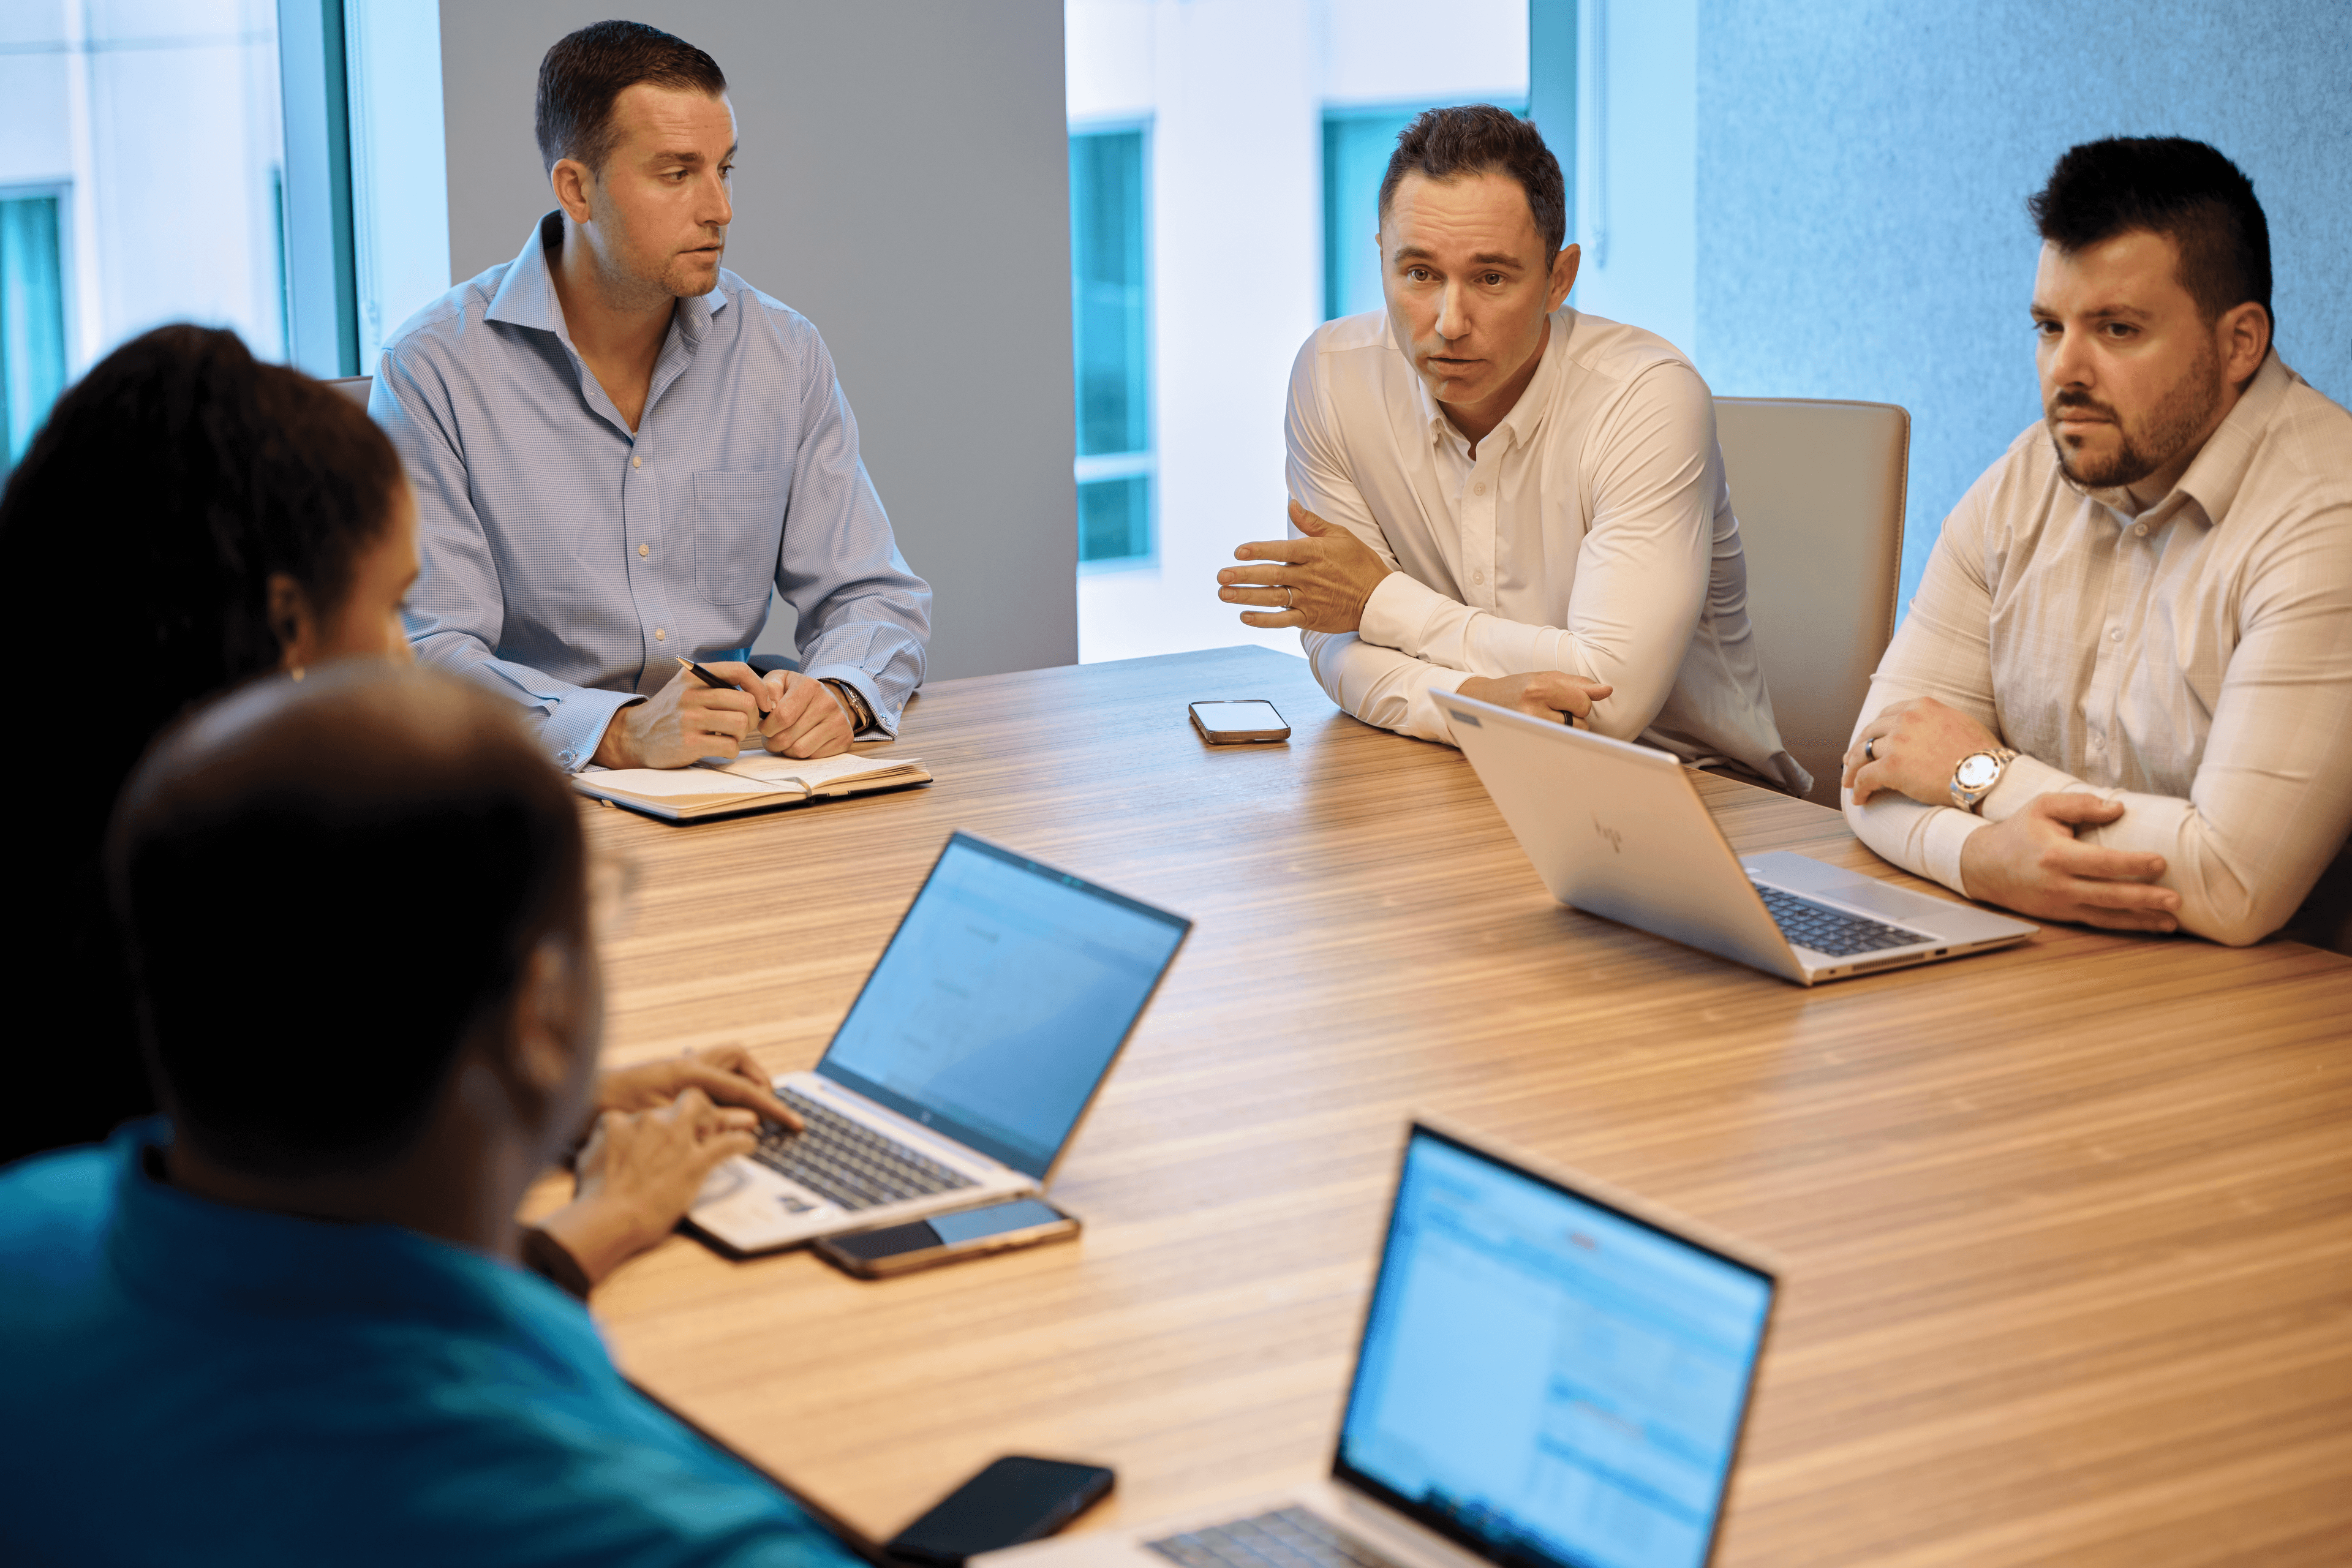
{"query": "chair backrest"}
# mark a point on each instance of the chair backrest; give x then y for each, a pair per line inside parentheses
(1818, 487)
(355, 387)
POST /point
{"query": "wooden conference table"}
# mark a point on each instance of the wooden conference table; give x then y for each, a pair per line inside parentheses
(2067, 1229)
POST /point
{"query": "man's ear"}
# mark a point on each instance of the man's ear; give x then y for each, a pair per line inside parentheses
(543, 1045)
(293, 620)
(573, 182)
(2244, 337)
(1563, 276)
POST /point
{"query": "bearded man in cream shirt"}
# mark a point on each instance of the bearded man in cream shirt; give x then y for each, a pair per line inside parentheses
(2123, 694)
(1504, 496)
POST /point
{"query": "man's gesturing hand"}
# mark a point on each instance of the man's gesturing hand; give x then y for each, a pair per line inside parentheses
(1544, 693)
(1911, 748)
(640, 1172)
(1319, 582)
(2033, 863)
(684, 721)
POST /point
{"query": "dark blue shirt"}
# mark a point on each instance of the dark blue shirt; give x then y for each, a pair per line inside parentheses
(182, 1381)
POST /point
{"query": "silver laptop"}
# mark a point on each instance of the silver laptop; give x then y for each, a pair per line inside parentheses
(1619, 830)
(1552, 1374)
(967, 1062)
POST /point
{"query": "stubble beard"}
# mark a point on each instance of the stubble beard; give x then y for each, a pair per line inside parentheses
(2144, 449)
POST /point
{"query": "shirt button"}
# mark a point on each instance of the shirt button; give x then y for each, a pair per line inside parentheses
(645, 549)
(636, 462)
(1478, 489)
(2115, 634)
(660, 635)
(1477, 576)
(2139, 531)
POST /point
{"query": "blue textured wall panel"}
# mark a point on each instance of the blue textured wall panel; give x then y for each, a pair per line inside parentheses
(1863, 167)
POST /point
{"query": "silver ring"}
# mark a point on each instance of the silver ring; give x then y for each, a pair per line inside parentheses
(1289, 597)
(1869, 754)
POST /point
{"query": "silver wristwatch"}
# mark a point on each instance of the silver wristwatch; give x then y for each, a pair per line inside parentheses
(1978, 773)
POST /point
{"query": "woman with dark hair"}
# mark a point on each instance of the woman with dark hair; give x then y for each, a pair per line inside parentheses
(189, 519)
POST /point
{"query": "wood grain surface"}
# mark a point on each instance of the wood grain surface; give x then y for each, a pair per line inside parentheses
(2068, 1228)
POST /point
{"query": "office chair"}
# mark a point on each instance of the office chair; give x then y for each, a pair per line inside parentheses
(1819, 490)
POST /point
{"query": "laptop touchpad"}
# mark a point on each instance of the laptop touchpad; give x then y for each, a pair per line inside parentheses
(1868, 893)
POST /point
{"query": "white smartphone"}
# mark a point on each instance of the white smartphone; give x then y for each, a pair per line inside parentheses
(1224, 724)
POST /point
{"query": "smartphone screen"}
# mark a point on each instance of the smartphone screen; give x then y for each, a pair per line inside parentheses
(1012, 1500)
(947, 1230)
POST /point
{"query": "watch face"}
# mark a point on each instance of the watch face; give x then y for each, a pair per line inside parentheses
(1977, 770)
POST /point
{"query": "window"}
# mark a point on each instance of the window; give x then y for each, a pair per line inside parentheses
(1110, 336)
(32, 318)
(272, 167)
(1356, 147)
(142, 158)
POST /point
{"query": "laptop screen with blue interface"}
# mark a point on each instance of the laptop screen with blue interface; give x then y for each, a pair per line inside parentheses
(1001, 1001)
(1546, 1379)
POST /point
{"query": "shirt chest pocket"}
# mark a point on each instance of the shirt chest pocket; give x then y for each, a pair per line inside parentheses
(738, 532)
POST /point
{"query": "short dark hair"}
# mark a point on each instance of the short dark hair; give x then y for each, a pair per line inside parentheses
(326, 887)
(2170, 186)
(1478, 139)
(587, 72)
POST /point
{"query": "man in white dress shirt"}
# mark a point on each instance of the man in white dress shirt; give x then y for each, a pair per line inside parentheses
(1504, 496)
(2123, 694)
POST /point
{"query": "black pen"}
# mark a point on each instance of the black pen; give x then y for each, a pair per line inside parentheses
(713, 682)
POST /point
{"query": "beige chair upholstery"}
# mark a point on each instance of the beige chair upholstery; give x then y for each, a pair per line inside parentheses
(1818, 487)
(355, 387)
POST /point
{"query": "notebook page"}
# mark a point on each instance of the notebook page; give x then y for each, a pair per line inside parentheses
(812, 775)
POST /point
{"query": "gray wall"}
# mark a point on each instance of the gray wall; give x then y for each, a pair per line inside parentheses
(1863, 165)
(904, 183)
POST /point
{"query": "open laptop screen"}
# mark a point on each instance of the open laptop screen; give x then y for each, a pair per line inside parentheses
(1001, 1001)
(1547, 1379)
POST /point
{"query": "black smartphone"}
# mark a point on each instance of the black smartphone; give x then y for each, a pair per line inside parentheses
(945, 1238)
(1012, 1500)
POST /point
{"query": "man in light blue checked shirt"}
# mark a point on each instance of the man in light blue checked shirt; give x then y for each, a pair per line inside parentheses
(617, 447)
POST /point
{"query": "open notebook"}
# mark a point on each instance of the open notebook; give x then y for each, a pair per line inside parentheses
(756, 783)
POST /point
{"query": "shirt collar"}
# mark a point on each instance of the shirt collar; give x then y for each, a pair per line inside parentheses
(526, 295)
(208, 1258)
(2214, 475)
(1525, 420)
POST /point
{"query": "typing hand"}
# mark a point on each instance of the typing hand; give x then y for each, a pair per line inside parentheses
(1911, 748)
(1551, 694)
(639, 1173)
(805, 718)
(2032, 863)
(727, 1074)
(1319, 582)
(684, 721)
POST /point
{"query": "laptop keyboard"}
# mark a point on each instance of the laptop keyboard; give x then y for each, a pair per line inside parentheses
(1832, 931)
(848, 1162)
(1287, 1537)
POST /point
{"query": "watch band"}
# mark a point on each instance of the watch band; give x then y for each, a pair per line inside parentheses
(861, 717)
